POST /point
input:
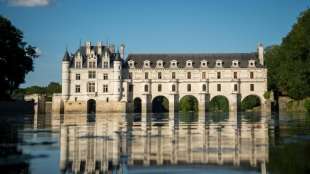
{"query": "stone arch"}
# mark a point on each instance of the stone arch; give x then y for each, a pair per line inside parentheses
(91, 106)
(160, 104)
(251, 102)
(137, 105)
(219, 103)
(188, 103)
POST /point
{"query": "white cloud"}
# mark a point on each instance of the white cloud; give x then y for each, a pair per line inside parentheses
(38, 51)
(29, 3)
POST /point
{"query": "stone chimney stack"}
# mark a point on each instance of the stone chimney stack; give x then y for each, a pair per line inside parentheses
(99, 47)
(122, 51)
(88, 47)
(260, 51)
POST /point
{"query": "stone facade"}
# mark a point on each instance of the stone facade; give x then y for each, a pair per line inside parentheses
(102, 74)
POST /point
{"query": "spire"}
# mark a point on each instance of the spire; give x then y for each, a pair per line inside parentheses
(66, 56)
(117, 56)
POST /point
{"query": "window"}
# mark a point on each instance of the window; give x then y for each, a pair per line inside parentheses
(189, 87)
(146, 64)
(78, 64)
(251, 87)
(189, 63)
(219, 63)
(189, 75)
(77, 77)
(173, 88)
(105, 65)
(218, 87)
(92, 64)
(173, 75)
(251, 75)
(130, 75)
(235, 63)
(203, 74)
(105, 88)
(218, 75)
(159, 63)
(204, 87)
(130, 88)
(159, 75)
(91, 74)
(159, 88)
(91, 87)
(146, 88)
(235, 87)
(251, 63)
(235, 75)
(77, 88)
(146, 75)
(105, 76)
(107, 100)
(173, 64)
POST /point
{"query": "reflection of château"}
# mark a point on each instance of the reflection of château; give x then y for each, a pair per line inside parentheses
(104, 144)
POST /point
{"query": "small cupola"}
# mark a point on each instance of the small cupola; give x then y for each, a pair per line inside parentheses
(66, 57)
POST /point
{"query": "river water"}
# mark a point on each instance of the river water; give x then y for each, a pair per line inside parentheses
(156, 143)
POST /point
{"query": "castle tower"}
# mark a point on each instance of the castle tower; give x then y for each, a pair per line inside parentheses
(117, 74)
(260, 51)
(65, 76)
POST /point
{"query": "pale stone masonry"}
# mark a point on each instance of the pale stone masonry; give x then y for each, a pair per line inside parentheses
(100, 78)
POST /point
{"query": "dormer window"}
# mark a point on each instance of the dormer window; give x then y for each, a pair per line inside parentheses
(147, 64)
(235, 63)
(91, 64)
(105, 64)
(159, 64)
(189, 64)
(131, 64)
(173, 64)
(204, 63)
(219, 63)
(78, 64)
(251, 63)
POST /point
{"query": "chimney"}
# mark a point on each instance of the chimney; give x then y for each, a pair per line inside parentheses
(88, 47)
(122, 51)
(260, 51)
(99, 47)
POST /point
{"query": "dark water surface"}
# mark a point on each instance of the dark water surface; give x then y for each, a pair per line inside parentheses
(161, 143)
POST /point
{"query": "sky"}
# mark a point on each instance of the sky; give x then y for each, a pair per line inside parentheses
(147, 26)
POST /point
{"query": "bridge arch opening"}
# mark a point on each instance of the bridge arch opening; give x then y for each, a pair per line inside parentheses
(188, 103)
(137, 105)
(251, 102)
(91, 106)
(160, 104)
(219, 104)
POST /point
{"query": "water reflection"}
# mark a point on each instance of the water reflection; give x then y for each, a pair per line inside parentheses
(118, 142)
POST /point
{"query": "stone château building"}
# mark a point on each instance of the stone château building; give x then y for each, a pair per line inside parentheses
(97, 78)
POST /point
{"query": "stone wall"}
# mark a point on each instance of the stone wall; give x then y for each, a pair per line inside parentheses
(287, 104)
(75, 107)
(104, 107)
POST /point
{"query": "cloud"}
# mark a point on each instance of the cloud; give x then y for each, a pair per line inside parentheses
(29, 3)
(38, 51)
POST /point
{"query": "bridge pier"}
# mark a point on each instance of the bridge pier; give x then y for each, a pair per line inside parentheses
(203, 102)
(145, 103)
(234, 102)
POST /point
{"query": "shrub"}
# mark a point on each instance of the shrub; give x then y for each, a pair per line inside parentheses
(307, 105)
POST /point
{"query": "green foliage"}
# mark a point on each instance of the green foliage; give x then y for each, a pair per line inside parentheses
(289, 63)
(16, 58)
(307, 105)
(219, 104)
(267, 94)
(250, 102)
(188, 103)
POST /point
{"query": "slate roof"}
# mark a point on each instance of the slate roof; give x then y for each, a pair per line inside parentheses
(227, 59)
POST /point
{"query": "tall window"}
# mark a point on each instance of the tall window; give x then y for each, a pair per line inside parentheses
(105, 88)
(189, 75)
(78, 64)
(105, 65)
(159, 75)
(146, 88)
(251, 87)
(91, 74)
(77, 88)
(105, 76)
(189, 87)
(77, 77)
(204, 87)
(159, 88)
(130, 75)
(146, 75)
(218, 75)
(251, 75)
(218, 87)
(235, 75)
(91, 87)
(130, 88)
(235, 87)
(203, 75)
(173, 75)
(173, 88)
(92, 64)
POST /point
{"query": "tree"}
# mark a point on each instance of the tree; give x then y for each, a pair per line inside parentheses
(16, 58)
(289, 63)
(188, 104)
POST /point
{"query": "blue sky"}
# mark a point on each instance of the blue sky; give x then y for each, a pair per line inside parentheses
(157, 26)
